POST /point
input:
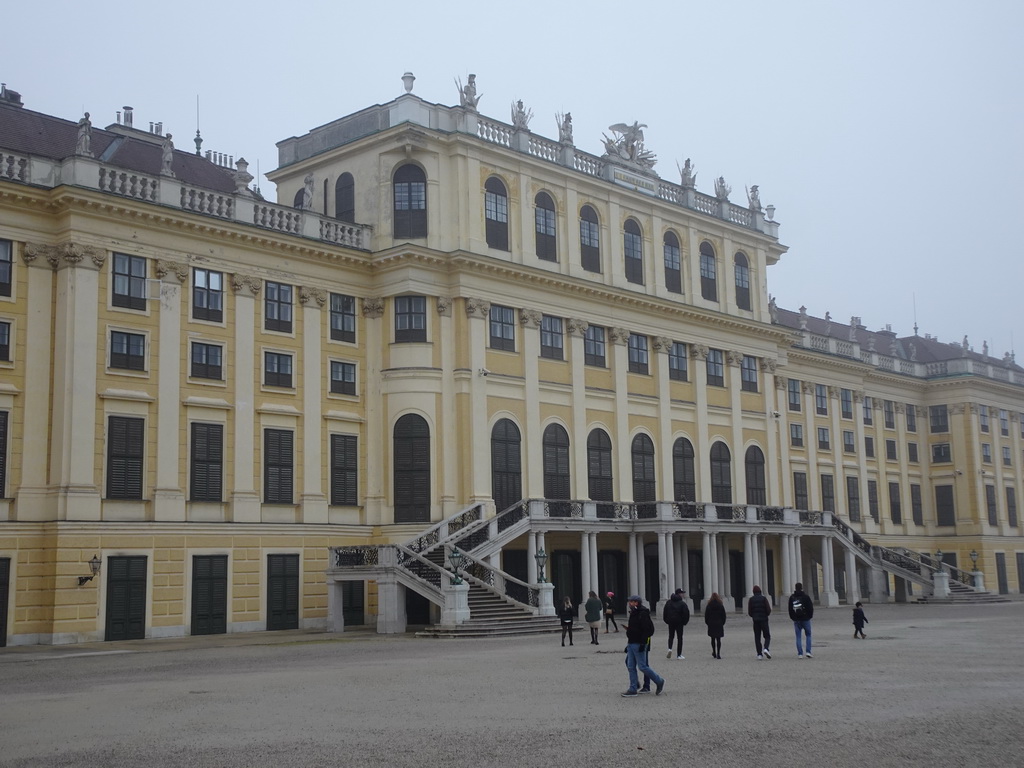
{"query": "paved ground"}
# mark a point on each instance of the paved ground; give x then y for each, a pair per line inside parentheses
(931, 686)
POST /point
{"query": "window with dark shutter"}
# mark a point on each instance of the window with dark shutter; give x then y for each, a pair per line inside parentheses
(599, 466)
(278, 469)
(673, 263)
(344, 470)
(544, 221)
(757, 492)
(684, 474)
(708, 272)
(496, 214)
(205, 483)
(721, 474)
(556, 462)
(125, 445)
(345, 198)
(410, 202)
(644, 479)
(633, 251)
(506, 464)
(411, 455)
(742, 270)
(590, 240)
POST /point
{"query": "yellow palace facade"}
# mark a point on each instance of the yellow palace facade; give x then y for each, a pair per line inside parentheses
(207, 398)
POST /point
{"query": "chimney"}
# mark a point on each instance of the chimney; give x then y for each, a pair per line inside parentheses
(127, 116)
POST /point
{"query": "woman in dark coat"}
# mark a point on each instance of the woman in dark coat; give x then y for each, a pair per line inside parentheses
(714, 617)
(593, 616)
(568, 615)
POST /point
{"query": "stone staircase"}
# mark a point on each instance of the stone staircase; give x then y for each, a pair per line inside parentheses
(961, 594)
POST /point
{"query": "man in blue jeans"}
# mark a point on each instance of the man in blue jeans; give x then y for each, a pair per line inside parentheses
(638, 632)
(801, 611)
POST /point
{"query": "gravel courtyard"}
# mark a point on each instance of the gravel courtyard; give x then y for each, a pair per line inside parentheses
(930, 686)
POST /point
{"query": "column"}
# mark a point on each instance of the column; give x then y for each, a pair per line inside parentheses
(585, 563)
(641, 568)
(631, 564)
(783, 495)
(829, 596)
(531, 557)
(245, 499)
(663, 566)
(699, 356)
(168, 495)
(619, 361)
(594, 571)
(313, 500)
(798, 560)
(709, 561)
(577, 369)
(749, 563)
(684, 564)
(376, 432)
(852, 585)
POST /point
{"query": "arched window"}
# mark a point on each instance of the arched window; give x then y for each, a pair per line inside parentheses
(742, 280)
(633, 250)
(599, 470)
(673, 264)
(644, 490)
(411, 457)
(721, 474)
(345, 198)
(544, 220)
(590, 240)
(708, 272)
(410, 189)
(556, 466)
(496, 213)
(757, 490)
(684, 475)
(506, 465)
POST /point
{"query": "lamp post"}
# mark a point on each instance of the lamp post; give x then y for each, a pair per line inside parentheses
(542, 559)
(938, 559)
(457, 559)
(974, 559)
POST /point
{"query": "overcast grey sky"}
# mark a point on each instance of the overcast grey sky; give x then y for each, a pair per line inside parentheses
(887, 133)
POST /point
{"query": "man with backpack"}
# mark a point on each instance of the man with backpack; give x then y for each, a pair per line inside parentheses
(801, 611)
(759, 608)
(677, 615)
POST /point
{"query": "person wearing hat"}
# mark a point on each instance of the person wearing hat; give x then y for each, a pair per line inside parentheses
(638, 632)
(677, 615)
(759, 608)
(609, 611)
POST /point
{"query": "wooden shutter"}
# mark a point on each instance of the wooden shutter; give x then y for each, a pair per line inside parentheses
(125, 445)
(207, 462)
(344, 470)
(278, 466)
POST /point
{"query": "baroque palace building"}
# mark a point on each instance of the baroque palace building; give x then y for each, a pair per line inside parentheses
(221, 414)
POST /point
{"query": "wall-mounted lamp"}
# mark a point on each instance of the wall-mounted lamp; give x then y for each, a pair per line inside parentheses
(94, 565)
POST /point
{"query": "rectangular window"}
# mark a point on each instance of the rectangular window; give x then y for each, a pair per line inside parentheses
(945, 512)
(990, 505)
(796, 435)
(1006, 456)
(127, 351)
(6, 267)
(912, 453)
(125, 446)
(277, 369)
(503, 328)
(677, 361)
(823, 439)
(800, 490)
(849, 444)
(1011, 503)
(868, 410)
(206, 462)
(129, 273)
(593, 346)
(410, 318)
(889, 414)
(343, 378)
(633, 252)
(551, 340)
(821, 399)
(938, 418)
(748, 374)
(277, 307)
(207, 361)
(986, 453)
(873, 499)
(869, 447)
(207, 295)
(853, 498)
(846, 403)
(344, 470)
(278, 470)
(911, 418)
(890, 450)
(343, 317)
(895, 506)
(716, 368)
(1004, 423)
(638, 353)
(828, 493)
(916, 507)
(496, 219)
(5, 342)
(793, 390)
(941, 453)
(983, 417)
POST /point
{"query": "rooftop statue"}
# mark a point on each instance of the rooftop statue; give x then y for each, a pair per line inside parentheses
(521, 116)
(627, 144)
(307, 192)
(166, 156)
(83, 147)
(468, 97)
(754, 198)
(722, 189)
(564, 127)
(687, 175)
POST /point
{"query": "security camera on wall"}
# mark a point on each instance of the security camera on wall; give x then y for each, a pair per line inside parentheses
(776, 414)
(484, 372)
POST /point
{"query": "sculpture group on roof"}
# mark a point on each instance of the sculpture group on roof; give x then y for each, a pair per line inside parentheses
(627, 145)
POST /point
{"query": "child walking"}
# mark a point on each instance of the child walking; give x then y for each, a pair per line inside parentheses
(859, 620)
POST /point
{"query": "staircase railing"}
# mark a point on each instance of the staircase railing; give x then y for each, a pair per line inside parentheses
(485, 575)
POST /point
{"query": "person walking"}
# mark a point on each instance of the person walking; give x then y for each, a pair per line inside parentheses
(677, 615)
(759, 608)
(592, 615)
(609, 611)
(859, 620)
(714, 617)
(568, 616)
(801, 611)
(639, 630)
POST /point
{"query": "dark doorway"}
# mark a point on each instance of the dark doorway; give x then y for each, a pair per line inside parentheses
(1001, 580)
(770, 567)
(209, 594)
(5, 589)
(695, 559)
(565, 575)
(282, 592)
(417, 609)
(126, 598)
(411, 458)
(353, 611)
(611, 576)
(737, 577)
(513, 562)
(652, 582)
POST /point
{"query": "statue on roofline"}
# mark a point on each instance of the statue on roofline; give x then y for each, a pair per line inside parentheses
(687, 175)
(468, 97)
(521, 116)
(564, 127)
(627, 145)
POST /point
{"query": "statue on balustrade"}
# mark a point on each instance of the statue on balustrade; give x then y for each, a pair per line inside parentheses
(627, 144)
(307, 192)
(564, 127)
(84, 145)
(687, 175)
(166, 156)
(521, 116)
(722, 190)
(754, 198)
(468, 97)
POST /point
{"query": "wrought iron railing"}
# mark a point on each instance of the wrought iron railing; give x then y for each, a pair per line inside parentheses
(770, 514)
(687, 510)
(355, 557)
(485, 575)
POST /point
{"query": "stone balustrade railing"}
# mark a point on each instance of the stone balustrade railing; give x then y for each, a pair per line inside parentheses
(241, 207)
